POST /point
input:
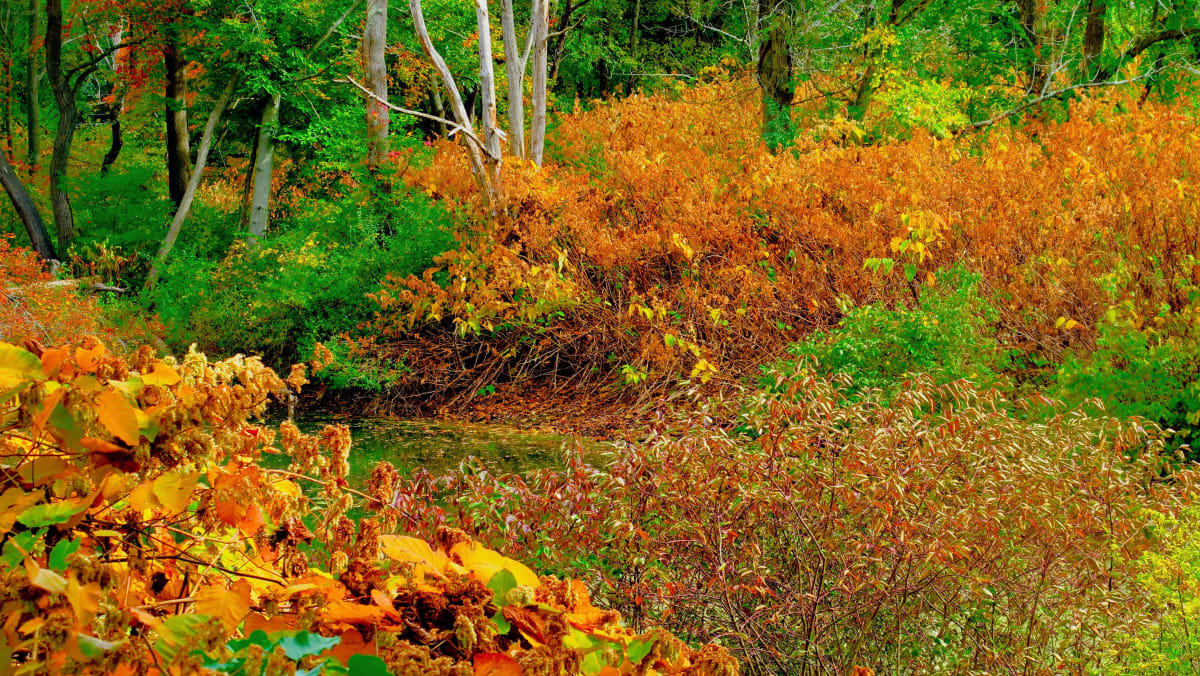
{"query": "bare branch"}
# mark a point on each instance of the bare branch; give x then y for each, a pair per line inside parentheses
(454, 126)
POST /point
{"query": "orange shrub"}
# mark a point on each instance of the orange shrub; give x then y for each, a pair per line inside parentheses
(667, 241)
(30, 309)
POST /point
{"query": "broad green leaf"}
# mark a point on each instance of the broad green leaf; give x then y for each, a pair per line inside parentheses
(306, 643)
(176, 631)
(58, 555)
(637, 650)
(367, 665)
(50, 513)
(500, 584)
(92, 647)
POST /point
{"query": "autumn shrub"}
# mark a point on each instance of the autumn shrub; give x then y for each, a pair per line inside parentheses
(936, 532)
(666, 242)
(31, 307)
(141, 531)
(947, 335)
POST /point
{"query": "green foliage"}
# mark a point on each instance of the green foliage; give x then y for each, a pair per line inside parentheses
(947, 336)
(1149, 369)
(1171, 574)
(307, 283)
(934, 106)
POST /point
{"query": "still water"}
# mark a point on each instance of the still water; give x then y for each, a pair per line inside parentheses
(438, 445)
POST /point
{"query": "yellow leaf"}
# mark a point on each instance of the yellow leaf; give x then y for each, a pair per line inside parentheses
(84, 598)
(162, 375)
(288, 488)
(416, 551)
(484, 563)
(174, 490)
(230, 605)
(118, 417)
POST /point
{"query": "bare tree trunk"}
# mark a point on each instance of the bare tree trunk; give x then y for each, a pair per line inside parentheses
(514, 63)
(189, 195)
(373, 46)
(33, 122)
(540, 25)
(264, 168)
(178, 150)
(248, 188)
(487, 83)
(475, 153)
(25, 209)
(68, 116)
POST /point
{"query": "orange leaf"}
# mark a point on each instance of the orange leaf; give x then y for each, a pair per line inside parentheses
(162, 375)
(87, 359)
(229, 605)
(53, 360)
(496, 664)
(118, 417)
(84, 598)
(345, 612)
(484, 563)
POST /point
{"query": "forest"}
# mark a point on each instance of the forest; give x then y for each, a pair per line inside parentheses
(697, 337)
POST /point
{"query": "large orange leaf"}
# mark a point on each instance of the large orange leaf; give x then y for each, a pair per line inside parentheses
(496, 664)
(229, 604)
(84, 598)
(117, 415)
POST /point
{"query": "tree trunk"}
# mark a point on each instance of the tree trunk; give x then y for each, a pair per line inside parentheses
(489, 190)
(25, 209)
(68, 116)
(114, 149)
(33, 122)
(775, 78)
(374, 45)
(440, 109)
(189, 195)
(264, 168)
(540, 25)
(514, 63)
(178, 150)
(1093, 36)
(487, 83)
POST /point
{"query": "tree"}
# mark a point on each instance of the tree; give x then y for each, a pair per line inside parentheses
(374, 46)
(25, 209)
(33, 111)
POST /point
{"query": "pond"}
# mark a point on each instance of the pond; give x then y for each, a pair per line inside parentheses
(437, 445)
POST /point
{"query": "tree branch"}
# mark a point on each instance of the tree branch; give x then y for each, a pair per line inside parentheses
(454, 126)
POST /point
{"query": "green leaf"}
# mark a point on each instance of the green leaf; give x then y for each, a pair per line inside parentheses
(18, 365)
(58, 555)
(637, 651)
(501, 582)
(176, 631)
(502, 625)
(306, 643)
(15, 549)
(92, 647)
(367, 665)
(50, 513)
(257, 637)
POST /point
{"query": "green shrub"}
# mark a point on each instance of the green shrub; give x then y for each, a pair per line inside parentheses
(1145, 368)
(305, 283)
(947, 335)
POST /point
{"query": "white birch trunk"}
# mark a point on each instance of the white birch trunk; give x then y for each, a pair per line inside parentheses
(540, 30)
(480, 171)
(514, 63)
